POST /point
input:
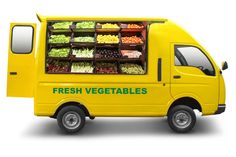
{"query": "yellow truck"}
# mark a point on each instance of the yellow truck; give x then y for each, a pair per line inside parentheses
(113, 67)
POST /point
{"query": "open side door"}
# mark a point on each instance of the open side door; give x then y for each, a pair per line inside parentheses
(21, 60)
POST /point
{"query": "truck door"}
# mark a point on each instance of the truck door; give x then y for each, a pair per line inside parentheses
(20, 73)
(193, 75)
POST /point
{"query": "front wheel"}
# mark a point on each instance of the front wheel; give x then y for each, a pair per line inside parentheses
(71, 119)
(181, 119)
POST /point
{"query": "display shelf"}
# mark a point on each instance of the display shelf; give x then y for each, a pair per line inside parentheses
(118, 59)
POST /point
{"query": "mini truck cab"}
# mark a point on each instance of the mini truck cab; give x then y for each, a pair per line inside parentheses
(113, 67)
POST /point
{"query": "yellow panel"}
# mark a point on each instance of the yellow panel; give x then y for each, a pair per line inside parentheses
(20, 74)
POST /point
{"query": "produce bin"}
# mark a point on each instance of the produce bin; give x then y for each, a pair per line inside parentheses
(132, 39)
(107, 53)
(106, 68)
(100, 29)
(82, 67)
(127, 27)
(53, 29)
(82, 26)
(57, 66)
(83, 36)
(57, 55)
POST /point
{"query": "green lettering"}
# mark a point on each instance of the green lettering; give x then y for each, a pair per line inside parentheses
(131, 91)
(72, 90)
(125, 91)
(78, 90)
(118, 91)
(54, 90)
(60, 91)
(107, 90)
(88, 90)
(113, 90)
(100, 91)
(66, 90)
(137, 90)
(94, 90)
(144, 90)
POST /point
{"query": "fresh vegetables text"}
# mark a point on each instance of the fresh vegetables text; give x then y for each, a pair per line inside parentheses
(94, 90)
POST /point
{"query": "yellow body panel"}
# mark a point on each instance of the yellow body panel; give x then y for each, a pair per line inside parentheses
(21, 84)
(142, 95)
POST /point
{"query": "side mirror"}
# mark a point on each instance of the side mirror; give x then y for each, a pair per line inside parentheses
(224, 65)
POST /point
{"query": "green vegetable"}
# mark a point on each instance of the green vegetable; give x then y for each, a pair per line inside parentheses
(84, 39)
(63, 52)
(82, 67)
(62, 25)
(83, 25)
(83, 53)
(59, 39)
(129, 68)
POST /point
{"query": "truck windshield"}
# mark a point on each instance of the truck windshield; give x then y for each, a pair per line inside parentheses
(192, 56)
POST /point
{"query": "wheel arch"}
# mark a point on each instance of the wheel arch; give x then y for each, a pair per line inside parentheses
(188, 101)
(71, 103)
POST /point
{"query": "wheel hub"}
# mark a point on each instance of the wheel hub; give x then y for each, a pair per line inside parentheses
(181, 119)
(71, 120)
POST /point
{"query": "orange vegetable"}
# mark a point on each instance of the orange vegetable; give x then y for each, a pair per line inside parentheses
(132, 39)
(135, 26)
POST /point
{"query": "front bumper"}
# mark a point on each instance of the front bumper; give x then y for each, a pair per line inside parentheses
(221, 109)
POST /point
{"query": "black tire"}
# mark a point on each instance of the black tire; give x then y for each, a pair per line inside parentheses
(181, 114)
(71, 119)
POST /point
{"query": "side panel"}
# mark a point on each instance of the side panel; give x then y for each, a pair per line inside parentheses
(104, 99)
(141, 95)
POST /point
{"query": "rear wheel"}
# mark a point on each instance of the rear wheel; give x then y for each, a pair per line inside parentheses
(181, 119)
(71, 119)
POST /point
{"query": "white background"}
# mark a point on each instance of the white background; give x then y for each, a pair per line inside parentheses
(212, 23)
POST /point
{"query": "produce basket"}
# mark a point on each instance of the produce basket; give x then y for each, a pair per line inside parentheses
(100, 27)
(108, 39)
(84, 26)
(59, 27)
(59, 53)
(107, 53)
(132, 67)
(132, 39)
(82, 53)
(132, 27)
(131, 53)
(82, 67)
(56, 39)
(57, 66)
(83, 39)
(106, 68)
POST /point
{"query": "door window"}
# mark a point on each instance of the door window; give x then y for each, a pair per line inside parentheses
(22, 39)
(194, 57)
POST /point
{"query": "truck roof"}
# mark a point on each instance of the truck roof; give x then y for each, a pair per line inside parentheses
(54, 18)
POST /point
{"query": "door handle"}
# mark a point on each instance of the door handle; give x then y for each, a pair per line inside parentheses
(159, 69)
(177, 77)
(13, 73)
